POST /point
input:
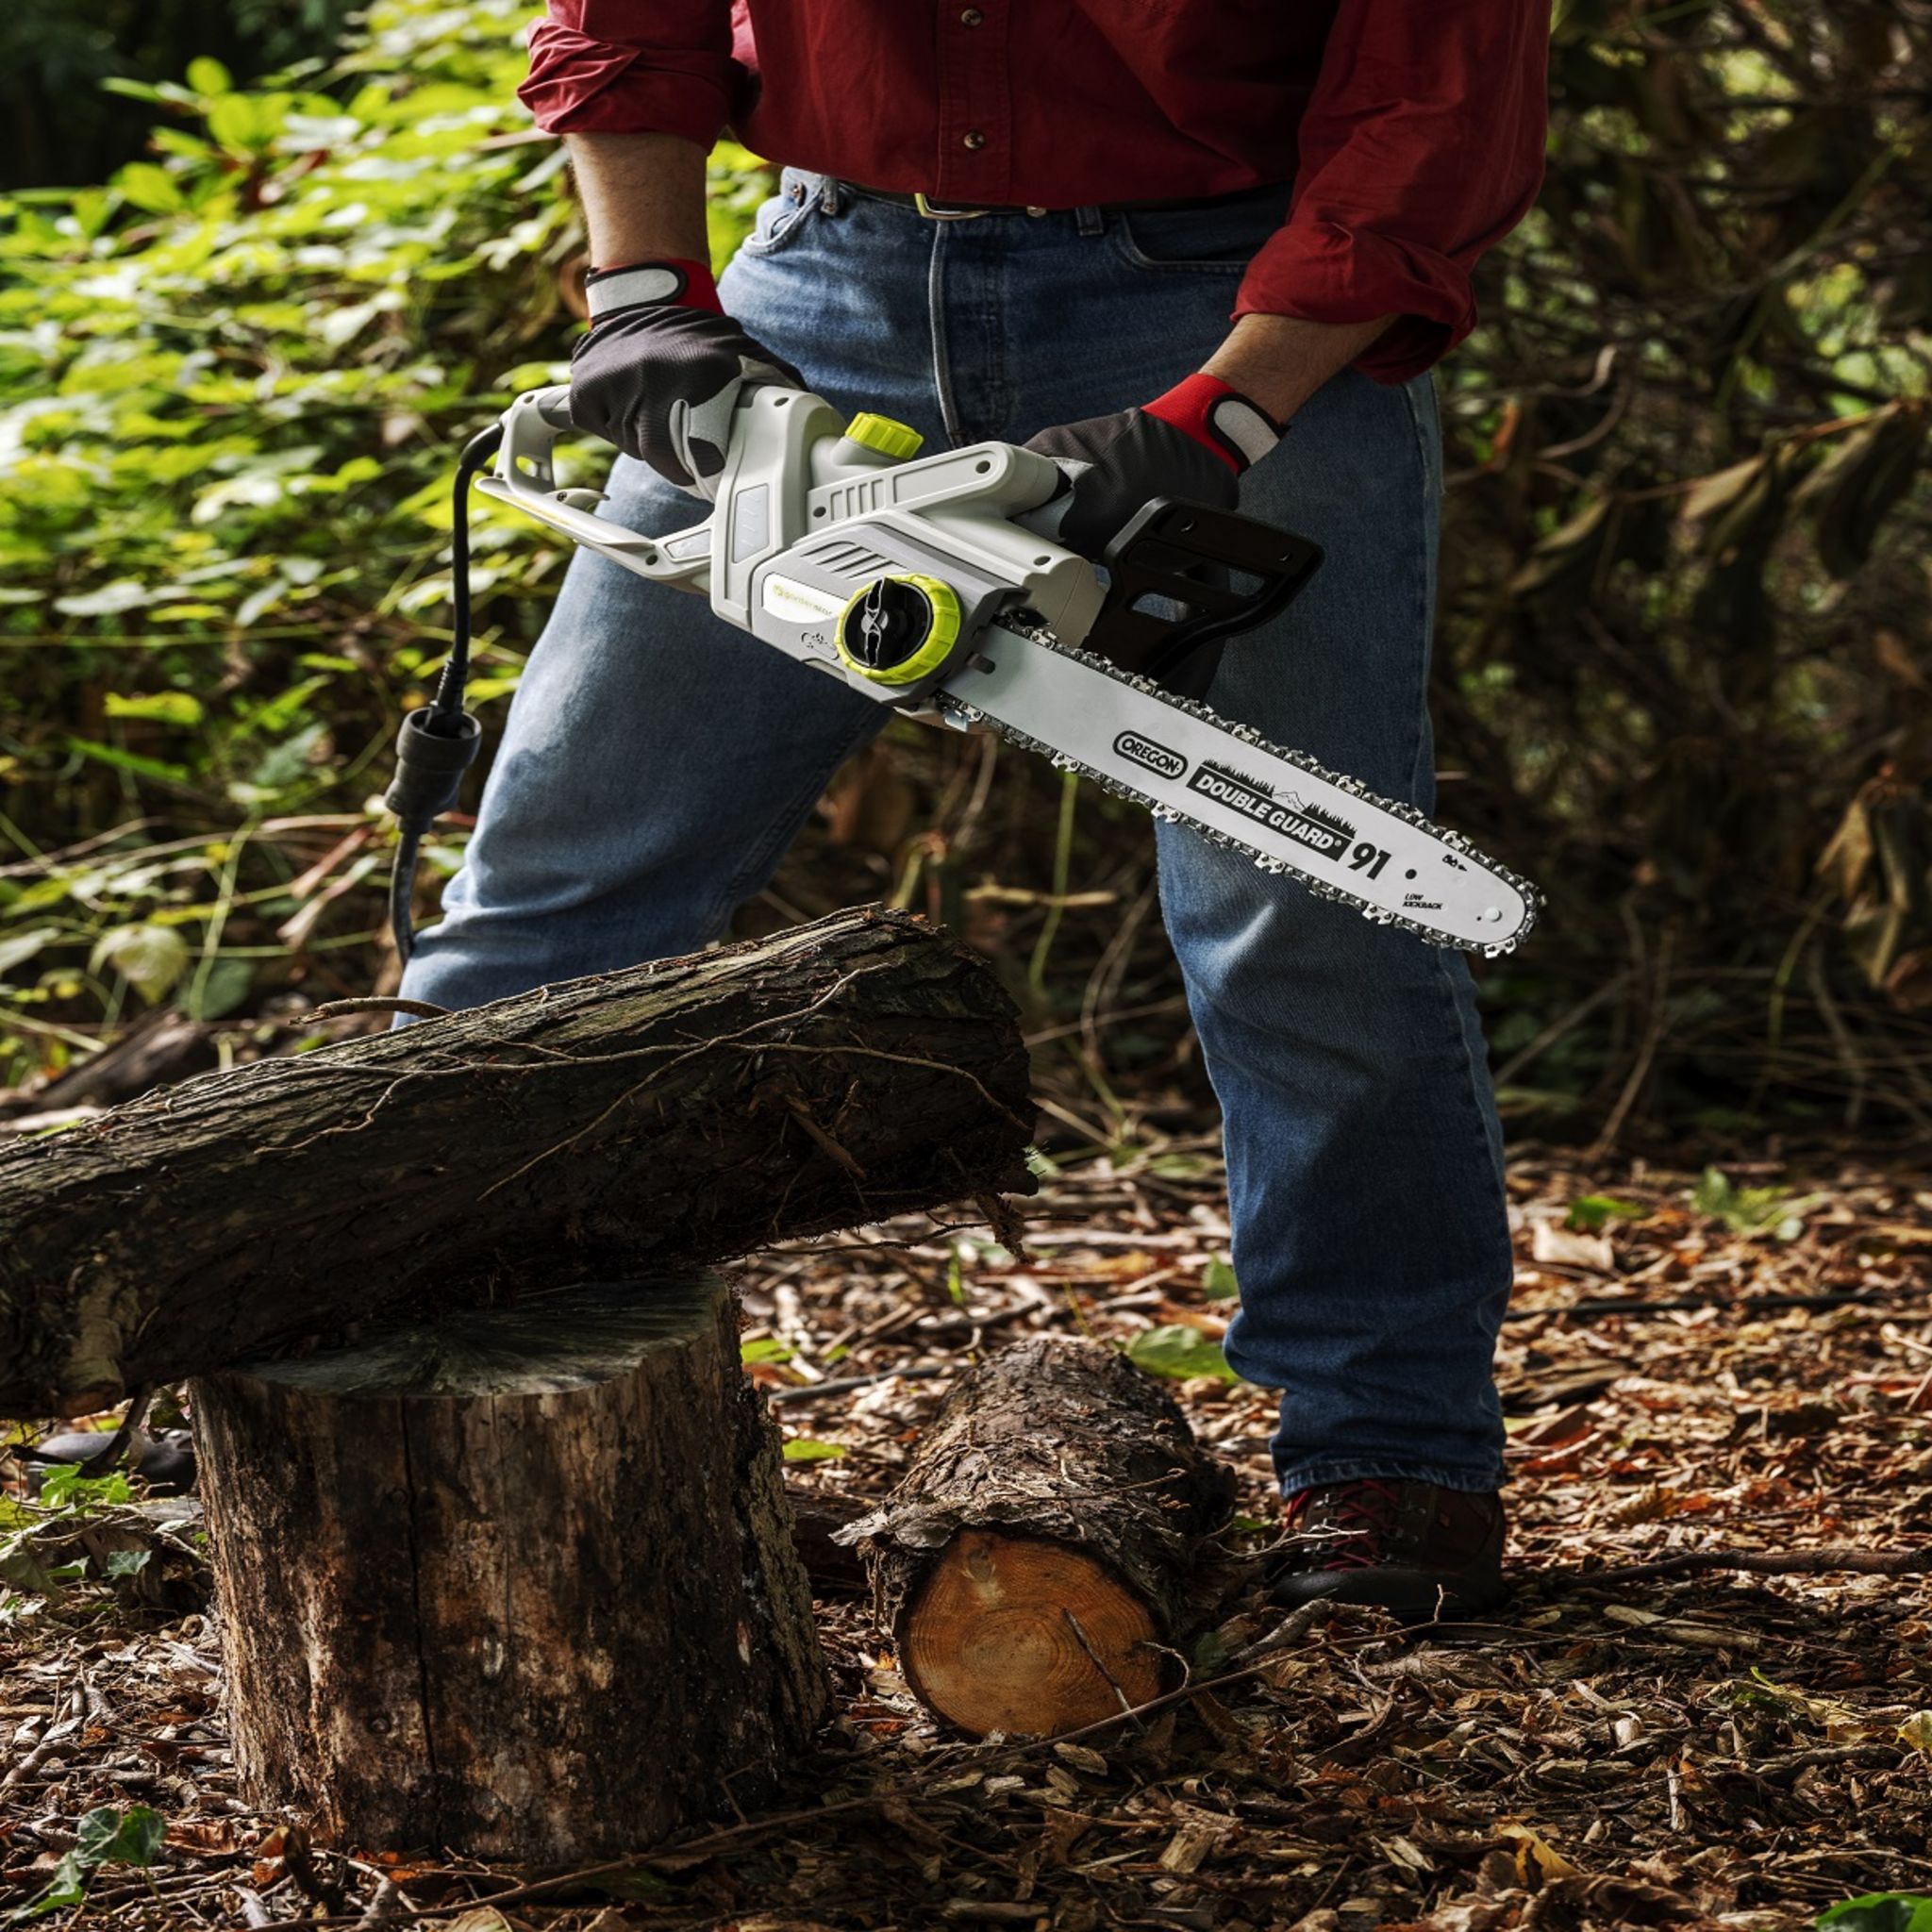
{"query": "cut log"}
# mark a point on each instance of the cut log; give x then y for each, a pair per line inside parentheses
(1038, 1553)
(647, 1120)
(516, 1584)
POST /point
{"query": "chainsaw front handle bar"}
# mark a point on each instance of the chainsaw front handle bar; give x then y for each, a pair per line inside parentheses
(524, 477)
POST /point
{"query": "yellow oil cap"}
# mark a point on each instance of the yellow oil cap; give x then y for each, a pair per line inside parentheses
(881, 433)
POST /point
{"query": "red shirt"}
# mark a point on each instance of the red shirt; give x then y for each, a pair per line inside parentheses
(1413, 129)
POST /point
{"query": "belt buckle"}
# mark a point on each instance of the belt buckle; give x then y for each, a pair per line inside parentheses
(947, 214)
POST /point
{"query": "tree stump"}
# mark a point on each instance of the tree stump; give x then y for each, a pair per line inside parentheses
(517, 1583)
(1040, 1549)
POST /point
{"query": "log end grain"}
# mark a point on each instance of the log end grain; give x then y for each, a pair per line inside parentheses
(1026, 1636)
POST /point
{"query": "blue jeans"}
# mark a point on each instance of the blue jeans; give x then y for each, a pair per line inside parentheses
(657, 763)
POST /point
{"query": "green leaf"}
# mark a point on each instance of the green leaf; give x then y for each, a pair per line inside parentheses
(16, 949)
(206, 75)
(1751, 1210)
(1218, 1283)
(765, 1348)
(151, 959)
(237, 122)
(133, 1835)
(1591, 1213)
(1178, 1352)
(67, 1489)
(217, 992)
(150, 187)
(164, 706)
(130, 761)
(68, 1887)
(1880, 1912)
(806, 1449)
(125, 1562)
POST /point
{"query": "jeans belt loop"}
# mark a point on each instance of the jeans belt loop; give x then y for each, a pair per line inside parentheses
(1091, 221)
(829, 194)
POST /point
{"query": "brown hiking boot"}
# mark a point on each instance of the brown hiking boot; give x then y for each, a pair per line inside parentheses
(1424, 1551)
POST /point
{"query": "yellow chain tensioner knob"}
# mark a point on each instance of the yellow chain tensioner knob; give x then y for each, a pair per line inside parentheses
(894, 440)
(898, 629)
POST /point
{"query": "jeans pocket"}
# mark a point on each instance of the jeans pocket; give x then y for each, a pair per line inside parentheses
(784, 217)
(1218, 237)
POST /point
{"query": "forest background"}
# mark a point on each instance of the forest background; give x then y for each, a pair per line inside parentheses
(264, 268)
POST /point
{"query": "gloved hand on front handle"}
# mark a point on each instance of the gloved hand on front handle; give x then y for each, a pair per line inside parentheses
(661, 369)
(1193, 443)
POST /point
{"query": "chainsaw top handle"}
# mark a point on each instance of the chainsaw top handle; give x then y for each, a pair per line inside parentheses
(1217, 573)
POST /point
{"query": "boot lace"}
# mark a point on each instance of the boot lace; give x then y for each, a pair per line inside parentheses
(1341, 1525)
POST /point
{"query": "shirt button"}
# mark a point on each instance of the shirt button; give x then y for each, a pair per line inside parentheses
(973, 138)
(972, 17)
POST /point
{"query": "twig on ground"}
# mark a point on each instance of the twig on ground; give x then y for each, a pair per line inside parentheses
(1755, 1563)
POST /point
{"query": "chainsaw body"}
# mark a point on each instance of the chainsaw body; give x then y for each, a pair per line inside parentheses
(807, 519)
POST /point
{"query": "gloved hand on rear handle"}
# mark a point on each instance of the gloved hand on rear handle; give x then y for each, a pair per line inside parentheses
(661, 369)
(1193, 443)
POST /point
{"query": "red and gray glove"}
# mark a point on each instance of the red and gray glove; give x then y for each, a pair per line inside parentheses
(1193, 443)
(661, 369)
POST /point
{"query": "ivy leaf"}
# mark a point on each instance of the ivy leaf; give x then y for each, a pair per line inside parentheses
(1178, 1352)
(1218, 1283)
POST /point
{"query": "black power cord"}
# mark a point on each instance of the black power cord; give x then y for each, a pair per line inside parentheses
(439, 742)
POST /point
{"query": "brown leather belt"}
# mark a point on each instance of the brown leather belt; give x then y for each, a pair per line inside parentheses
(971, 212)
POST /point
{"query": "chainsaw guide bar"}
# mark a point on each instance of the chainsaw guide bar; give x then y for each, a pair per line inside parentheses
(1279, 807)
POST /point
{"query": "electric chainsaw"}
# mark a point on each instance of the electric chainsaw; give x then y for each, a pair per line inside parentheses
(932, 585)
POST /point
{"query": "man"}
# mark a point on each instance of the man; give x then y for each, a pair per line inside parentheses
(1035, 221)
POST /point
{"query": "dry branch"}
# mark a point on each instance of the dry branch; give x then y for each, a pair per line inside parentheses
(644, 1121)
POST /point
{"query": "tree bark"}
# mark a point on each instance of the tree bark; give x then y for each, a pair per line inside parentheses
(1038, 1551)
(647, 1120)
(518, 1583)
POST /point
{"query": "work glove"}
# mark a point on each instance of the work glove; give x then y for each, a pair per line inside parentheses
(1193, 443)
(663, 368)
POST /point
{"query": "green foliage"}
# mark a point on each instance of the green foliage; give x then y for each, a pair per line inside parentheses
(67, 1491)
(1593, 1213)
(808, 1449)
(1218, 1283)
(232, 384)
(1880, 1912)
(104, 1836)
(1177, 1352)
(1750, 1210)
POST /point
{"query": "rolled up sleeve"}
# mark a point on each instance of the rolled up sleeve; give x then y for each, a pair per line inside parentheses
(632, 67)
(1421, 147)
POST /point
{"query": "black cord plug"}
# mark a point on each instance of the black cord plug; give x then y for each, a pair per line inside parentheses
(440, 742)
